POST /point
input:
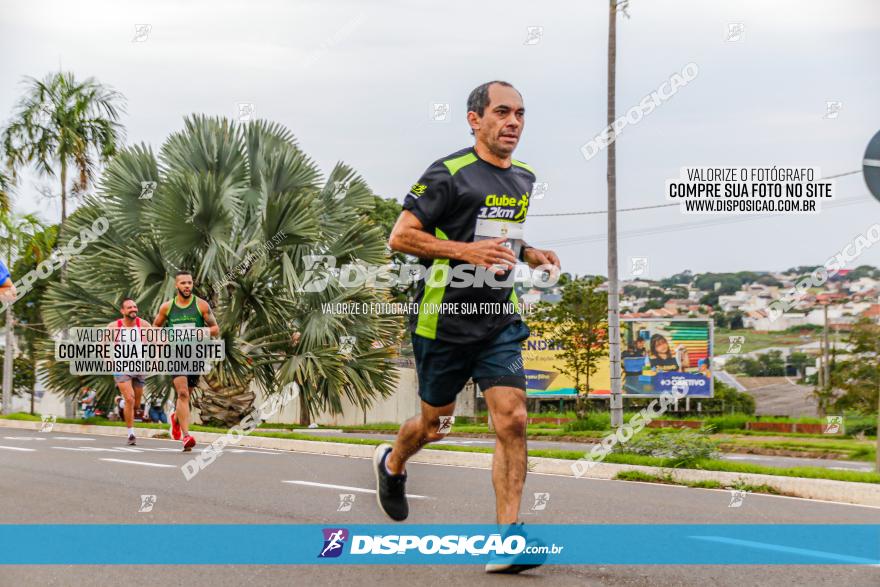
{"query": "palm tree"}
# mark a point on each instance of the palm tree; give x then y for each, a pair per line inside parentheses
(5, 188)
(61, 126)
(16, 233)
(222, 191)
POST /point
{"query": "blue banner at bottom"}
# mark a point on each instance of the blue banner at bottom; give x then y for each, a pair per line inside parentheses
(353, 544)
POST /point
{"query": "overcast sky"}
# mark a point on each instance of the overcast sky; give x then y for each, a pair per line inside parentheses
(355, 81)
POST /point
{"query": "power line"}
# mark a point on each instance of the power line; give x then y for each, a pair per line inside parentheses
(603, 211)
(842, 174)
(651, 207)
(560, 243)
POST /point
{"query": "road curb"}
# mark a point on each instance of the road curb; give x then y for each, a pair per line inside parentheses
(817, 489)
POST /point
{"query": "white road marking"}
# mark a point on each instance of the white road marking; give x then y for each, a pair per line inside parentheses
(23, 438)
(466, 442)
(140, 463)
(244, 450)
(18, 448)
(90, 448)
(71, 438)
(116, 449)
(347, 488)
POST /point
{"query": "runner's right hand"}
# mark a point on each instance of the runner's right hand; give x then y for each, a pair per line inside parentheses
(488, 253)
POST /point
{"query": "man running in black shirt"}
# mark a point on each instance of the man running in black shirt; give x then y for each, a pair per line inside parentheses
(464, 219)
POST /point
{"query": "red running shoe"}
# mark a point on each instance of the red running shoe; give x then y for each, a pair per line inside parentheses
(188, 443)
(175, 427)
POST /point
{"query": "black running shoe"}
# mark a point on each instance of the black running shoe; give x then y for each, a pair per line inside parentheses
(390, 489)
(517, 563)
(131, 441)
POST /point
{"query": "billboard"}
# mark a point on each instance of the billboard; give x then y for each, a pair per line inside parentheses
(543, 368)
(656, 354)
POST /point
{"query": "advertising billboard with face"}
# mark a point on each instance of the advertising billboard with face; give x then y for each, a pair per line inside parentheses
(656, 354)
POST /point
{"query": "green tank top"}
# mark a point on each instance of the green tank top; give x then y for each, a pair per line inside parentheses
(187, 316)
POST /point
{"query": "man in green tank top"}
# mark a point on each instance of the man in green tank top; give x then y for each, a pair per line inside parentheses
(185, 311)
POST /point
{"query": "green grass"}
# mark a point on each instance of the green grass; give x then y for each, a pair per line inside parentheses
(536, 430)
(550, 414)
(668, 479)
(736, 467)
(544, 428)
(784, 434)
(855, 450)
(803, 472)
(341, 440)
(282, 425)
(592, 421)
(665, 479)
(85, 422)
(758, 340)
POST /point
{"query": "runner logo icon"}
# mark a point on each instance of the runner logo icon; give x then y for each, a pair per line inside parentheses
(334, 541)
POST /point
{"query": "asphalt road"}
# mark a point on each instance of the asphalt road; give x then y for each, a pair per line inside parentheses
(70, 478)
(766, 460)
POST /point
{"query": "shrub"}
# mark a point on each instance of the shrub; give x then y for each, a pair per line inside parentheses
(592, 421)
(727, 422)
(866, 425)
(682, 448)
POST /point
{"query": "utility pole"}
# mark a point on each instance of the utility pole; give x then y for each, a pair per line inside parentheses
(613, 294)
(825, 350)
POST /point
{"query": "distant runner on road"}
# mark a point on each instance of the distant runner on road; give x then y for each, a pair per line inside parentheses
(131, 385)
(185, 311)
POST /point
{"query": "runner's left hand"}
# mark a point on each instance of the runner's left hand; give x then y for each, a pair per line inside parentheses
(537, 257)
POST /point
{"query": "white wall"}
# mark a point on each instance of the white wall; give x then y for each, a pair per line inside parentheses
(402, 404)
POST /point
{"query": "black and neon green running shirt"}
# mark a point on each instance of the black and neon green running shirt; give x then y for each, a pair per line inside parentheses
(188, 316)
(452, 194)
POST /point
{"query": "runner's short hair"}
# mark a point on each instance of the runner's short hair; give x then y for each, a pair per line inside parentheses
(122, 303)
(479, 98)
(182, 272)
